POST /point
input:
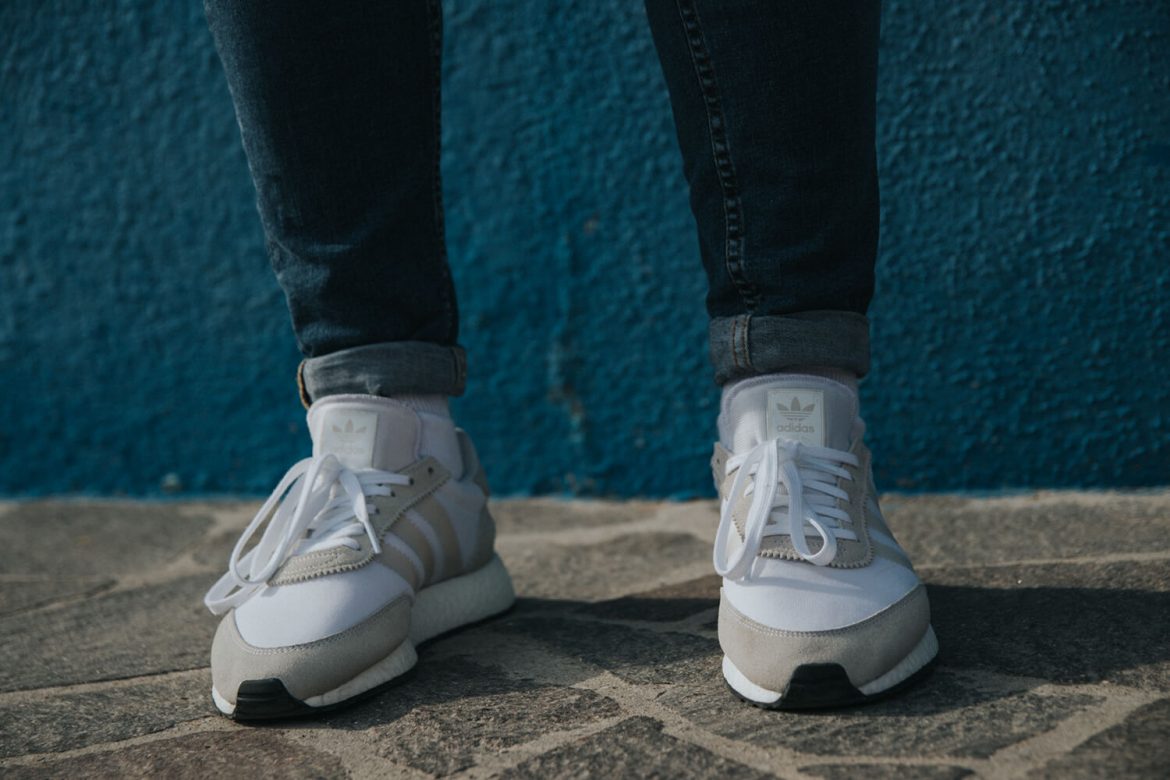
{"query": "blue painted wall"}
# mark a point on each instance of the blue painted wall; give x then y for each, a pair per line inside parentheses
(1021, 325)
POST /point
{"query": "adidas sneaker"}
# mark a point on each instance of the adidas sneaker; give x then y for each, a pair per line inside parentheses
(379, 541)
(820, 607)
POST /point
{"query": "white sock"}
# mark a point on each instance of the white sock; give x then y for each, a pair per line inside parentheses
(847, 378)
(431, 404)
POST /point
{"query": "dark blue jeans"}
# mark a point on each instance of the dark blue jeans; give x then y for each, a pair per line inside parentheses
(773, 100)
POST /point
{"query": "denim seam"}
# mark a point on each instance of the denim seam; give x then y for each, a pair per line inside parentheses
(745, 335)
(720, 152)
(734, 342)
(303, 391)
(435, 13)
(460, 368)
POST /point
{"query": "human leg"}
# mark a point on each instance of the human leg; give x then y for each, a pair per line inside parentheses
(382, 538)
(338, 107)
(774, 105)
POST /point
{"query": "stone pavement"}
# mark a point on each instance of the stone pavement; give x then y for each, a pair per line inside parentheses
(1053, 610)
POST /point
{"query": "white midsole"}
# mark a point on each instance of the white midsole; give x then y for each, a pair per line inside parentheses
(458, 601)
(436, 610)
(399, 662)
(923, 652)
(222, 704)
(920, 656)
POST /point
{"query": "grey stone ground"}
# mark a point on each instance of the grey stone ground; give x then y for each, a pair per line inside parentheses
(1053, 611)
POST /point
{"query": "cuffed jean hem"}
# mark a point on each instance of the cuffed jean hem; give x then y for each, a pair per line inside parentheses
(392, 368)
(747, 346)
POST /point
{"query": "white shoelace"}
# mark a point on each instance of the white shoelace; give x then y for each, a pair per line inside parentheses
(324, 505)
(808, 475)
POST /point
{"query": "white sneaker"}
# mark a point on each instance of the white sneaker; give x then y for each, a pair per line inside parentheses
(379, 541)
(820, 607)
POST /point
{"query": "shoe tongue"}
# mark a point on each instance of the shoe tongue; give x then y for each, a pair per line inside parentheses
(365, 432)
(809, 409)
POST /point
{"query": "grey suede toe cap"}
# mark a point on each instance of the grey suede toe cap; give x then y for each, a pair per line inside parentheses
(313, 668)
(866, 650)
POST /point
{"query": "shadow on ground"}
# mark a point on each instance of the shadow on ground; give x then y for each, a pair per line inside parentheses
(1036, 635)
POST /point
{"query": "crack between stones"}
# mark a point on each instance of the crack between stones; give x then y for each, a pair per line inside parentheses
(35, 694)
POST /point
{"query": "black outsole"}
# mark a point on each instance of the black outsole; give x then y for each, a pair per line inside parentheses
(827, 687)
(258, 701)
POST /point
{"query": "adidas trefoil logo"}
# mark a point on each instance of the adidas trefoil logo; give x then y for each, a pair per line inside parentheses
(795, 411)
(348, 432)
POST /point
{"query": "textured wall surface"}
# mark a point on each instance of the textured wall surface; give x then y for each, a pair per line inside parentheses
(1021, 324)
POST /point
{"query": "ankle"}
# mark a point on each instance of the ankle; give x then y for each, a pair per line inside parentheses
(839, 375)
(430, 404)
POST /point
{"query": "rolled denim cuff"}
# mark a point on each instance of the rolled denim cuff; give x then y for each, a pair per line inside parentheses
(746, 345)
(392, 368)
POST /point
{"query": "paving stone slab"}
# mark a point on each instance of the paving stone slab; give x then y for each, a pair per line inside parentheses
(34, 592)
(939, 530)
(946, 715)
(449, 713)
(638, 657)
(551, 514)
(636, 747)
(254, 753)
(93, 538)
(1139, 748)
(231, 517)
(596, 571)
(213, 551)
(1153, 576)
(1068, 624)
(74, 720)
(668, 603)
(147, 630)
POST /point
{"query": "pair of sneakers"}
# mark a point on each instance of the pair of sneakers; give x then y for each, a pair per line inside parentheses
(383, 540)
